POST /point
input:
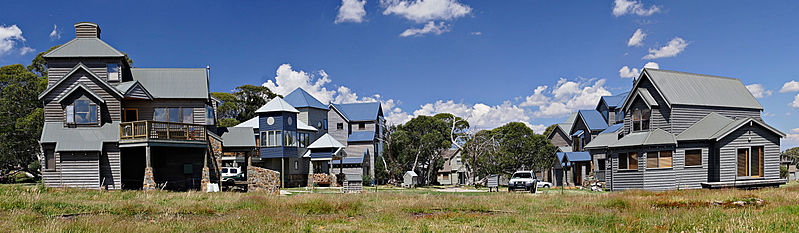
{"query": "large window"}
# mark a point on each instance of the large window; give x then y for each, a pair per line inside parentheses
(693, 158)
(82, 112)
(628, 161)
(113, 72)
(49, 160)
(659, 159)
(289, 138)
(271, 138)
(641, 119)
(750, 161)
(176, 115)
(577, 144)
(209, 115)
(303, 139)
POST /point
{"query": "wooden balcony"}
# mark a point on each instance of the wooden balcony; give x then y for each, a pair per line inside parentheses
(163, 131)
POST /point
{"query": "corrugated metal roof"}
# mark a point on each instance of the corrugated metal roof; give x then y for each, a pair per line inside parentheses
(715, 126)
(704, 90)
(80, 138)
(580, 156)
(239, 137)
(125, 86)
(277, 105)
(361, 136)
(84, 47)
(593, 119)
(349, 160)
(614, 101)
(326, 141)
(299, 98)
(252, 123)
(653, 137)
(353, 177)
(173, 83)
(321, 155)
(606, 138)
(613, 129)
(302, 126)
(80, 66)
(644, 93)
(578, 133)
(359, 111)
(565, 149)
(85, 89)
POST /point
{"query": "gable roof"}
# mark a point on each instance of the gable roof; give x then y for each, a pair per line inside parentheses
(127, 87)
(699, 89)
(302, 126)
(326, 141)
(361, 136)
(613, 101)
(85, 88)
(78, 139)
(173, 83)
(277, 105)
(84, 47)
(715, 126)
(359, 111)
(605, 138)
(238, 137)
(566, 126)
(580, 156)
(80, 66)
(299, 98)
(593, 120)
(252, 123)
(652, 137)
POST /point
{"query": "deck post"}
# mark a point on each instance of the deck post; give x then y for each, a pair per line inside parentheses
(149, 182)
(206, 176)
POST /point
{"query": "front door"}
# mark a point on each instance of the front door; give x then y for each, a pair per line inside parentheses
(131, 114)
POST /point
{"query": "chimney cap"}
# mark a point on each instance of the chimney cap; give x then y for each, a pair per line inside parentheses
(86, 23)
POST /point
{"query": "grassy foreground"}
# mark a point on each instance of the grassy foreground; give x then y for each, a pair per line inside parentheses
(31, 208)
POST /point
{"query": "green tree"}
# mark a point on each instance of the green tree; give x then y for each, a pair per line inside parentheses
(417, 146)
(549, 129)
(250, 98)
(21, 118)
(228, 109)
(507, 149)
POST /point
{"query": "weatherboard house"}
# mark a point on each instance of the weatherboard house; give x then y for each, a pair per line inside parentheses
(687, 131)
(109, 125)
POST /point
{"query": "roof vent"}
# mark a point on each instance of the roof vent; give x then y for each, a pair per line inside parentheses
(87, 30)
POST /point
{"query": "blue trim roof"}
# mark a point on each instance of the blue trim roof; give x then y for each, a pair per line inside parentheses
(593, 119)
(359, 111)
(613, 128)
(361, 136)
(321, 155)
(578, 133)
(581, 156)
(615, 101)
(299, 98)
(561, 155)
(348, 160)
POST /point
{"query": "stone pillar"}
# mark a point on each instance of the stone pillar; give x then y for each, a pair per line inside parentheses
(206, 176)
(149, 181)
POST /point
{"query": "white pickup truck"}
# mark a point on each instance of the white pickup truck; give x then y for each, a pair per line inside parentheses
(523, 180)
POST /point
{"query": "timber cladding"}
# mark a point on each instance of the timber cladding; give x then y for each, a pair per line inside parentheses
(54, 111)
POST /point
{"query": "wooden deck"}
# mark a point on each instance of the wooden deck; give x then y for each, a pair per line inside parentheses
(758, 183)
(162, 131)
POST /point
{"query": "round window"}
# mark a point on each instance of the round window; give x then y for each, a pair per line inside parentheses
(319, 125)
(270, 121)
(290, 120)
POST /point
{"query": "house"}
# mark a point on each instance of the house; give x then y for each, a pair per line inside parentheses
(598, 149)
(560, 135)
(688, 131)
(453, 172)
(410, 179)
(361, 127)
(111, 126)
(587, 125)
(608, 106)
(571, 137)
(572, 168)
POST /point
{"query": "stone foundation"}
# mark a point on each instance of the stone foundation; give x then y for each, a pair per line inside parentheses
(149, 181)
(324, 179)
(262, 179)
(206, 179)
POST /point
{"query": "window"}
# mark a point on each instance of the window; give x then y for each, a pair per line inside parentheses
(82, 112)
(113, 72)
(750, 161)
(601, 164)
(296, 165)
(659, 159)
(49, 160)
(325, 124)
(339, 125)
(209, 115)
(234, 171)
(577, 144)
(641, 119)
(693, 158)
(361, 125)
(272, 138)
(159, 114)
(303, 139)
(289, 138)
(620, 116)
(176, 115)
(173, 114)
(224, 170)
(187, 115)
(628, 161)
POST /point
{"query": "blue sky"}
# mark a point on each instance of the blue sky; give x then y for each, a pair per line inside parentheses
(479, 59)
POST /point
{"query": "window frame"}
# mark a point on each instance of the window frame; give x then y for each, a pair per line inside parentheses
(339, 126)
(748, 164)
(71, 113)
(658, 157)
(48, 159)
(685, 158)
(627, 158)
(180, 112)
(641, 119)
(108, 72)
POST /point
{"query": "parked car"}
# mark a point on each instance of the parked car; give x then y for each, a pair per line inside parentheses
(543, 184)
(232, 174)
(230, 171)
(523, 180)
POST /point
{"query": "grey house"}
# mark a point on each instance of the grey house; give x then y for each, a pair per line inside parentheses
(361, 127)
(111, 126)
(687, 131)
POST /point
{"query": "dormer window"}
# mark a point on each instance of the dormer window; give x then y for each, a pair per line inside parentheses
(82, 112)
(641, 119)
(113, 72)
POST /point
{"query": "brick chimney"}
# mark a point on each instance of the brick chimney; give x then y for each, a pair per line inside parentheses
(87, 30)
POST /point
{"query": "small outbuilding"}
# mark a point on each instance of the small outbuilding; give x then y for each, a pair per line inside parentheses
(410, 179)
(353, 183)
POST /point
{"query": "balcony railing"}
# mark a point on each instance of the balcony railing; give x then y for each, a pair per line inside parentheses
(161, 131)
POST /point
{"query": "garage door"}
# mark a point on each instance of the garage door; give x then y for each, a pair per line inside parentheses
(80, 169)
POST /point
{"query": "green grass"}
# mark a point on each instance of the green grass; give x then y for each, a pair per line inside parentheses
(32, 208)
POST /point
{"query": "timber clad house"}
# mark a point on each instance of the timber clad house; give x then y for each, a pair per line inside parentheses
(673, 130)
(111, 126)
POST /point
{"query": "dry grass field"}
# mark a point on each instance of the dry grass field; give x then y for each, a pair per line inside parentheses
(32, 208)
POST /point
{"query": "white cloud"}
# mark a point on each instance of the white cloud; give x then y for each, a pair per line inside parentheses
(623, 7)
(55, 34)
(9, 36)
(758, 90)
(637, 38)
(674, 47)
(351, 11)
(789, 141)
(790, 86)
(480, 116)
(566, 97)
(795, 102)
(421, 11)
(26, 50)
(430, 27)
(476, 33)
(795, 130)
(627, 72)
